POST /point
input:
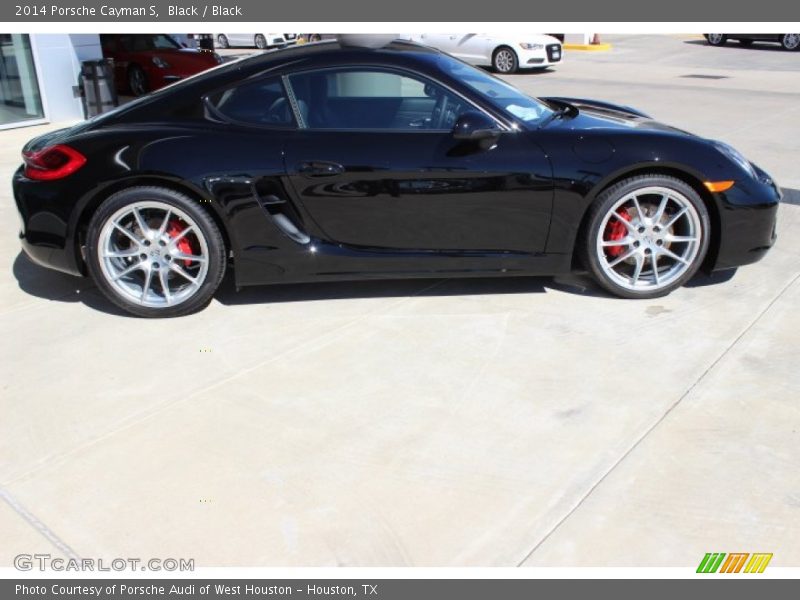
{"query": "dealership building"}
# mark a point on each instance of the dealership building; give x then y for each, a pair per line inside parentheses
(39, 77)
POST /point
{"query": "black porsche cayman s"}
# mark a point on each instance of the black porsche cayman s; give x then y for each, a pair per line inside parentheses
(336, 161)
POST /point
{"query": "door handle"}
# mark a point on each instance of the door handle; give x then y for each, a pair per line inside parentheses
(319, 168)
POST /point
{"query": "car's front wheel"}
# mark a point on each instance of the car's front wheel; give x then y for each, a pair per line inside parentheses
(260, 41)
(222, 41)
(154, 252)
(716, 39)
(790, 41)
(504, 60)
(646, 236)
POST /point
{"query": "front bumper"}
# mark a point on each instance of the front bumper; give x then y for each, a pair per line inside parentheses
(748, 220)
(549, 55)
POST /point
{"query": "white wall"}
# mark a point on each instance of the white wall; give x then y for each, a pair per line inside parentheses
(58, 60)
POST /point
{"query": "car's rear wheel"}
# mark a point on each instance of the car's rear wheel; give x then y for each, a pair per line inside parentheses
(154, 252)
(222, 41)
(790, 41)
(260, 41)
(646, 236)
(504, 60)
(137, 81)
(716, 39)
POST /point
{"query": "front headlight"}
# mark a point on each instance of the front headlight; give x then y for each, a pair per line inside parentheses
(529, 46)
(160, 62)
(736, 156)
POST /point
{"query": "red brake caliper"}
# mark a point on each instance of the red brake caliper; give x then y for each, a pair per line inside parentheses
(616, 230)
(174, 230)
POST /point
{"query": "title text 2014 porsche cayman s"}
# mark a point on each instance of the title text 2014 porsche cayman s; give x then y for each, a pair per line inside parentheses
(332, 161)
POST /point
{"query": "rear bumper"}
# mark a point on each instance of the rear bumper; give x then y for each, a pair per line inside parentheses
(748, 220)
(45, 235)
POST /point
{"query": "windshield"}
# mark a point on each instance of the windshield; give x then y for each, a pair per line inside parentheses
(496, 91)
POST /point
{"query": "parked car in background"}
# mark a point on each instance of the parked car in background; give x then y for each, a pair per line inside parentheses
(146, 62)
(261, 41)
(789, 41)
(504, 54)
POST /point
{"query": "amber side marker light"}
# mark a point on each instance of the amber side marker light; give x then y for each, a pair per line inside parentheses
(718, 186)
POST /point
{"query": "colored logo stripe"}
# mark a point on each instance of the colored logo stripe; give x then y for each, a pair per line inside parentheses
(735, 561)
(758, 563)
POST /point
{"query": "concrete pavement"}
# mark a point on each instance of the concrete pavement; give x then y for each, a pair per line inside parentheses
(480, 422)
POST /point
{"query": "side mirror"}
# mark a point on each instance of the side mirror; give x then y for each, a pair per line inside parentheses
(475, 126)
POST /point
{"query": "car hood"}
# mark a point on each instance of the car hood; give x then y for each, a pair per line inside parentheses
(597, 114)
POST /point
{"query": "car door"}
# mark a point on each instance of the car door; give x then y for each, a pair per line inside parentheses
(375, 164)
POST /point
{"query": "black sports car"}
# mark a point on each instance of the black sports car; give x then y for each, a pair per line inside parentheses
(333, 161)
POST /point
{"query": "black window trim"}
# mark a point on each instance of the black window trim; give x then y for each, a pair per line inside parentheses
(388, 69)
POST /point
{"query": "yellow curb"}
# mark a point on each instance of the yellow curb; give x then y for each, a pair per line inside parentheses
(588, 47)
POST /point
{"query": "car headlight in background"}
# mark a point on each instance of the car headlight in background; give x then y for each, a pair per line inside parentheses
(736, 156)
(160, 62)
(529, 46)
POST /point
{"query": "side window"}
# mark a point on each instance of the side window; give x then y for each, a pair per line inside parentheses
(373, 99)
(261, 102)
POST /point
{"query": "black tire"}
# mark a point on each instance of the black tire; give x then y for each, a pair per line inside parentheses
(260, 41)
(746, 43)
(790, 41)
(315, 37)
(505, 61)
(137, 81)
(716, 39)
(207, 226)
(222, 41)
(603, 204)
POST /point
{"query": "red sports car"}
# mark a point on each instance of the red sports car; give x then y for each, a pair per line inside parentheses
(145, 62)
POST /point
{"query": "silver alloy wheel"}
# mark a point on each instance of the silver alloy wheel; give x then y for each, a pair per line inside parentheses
(261, 41)
(140, 258)
(504, 60)
(715, 38)
(791, 41)
(222, 41)
(661, 237)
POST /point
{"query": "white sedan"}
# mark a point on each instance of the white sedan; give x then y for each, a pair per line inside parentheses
(504, 54)
(253, 40)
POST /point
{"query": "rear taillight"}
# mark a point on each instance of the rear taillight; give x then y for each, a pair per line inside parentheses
(53, 162)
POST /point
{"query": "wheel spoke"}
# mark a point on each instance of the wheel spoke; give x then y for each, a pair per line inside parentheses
(130, 235)
(621, 242)
(661, 207)
(130, 269)
(121, 254)
(191, 257)
(671, 254)
(181, 235)
(680, 238)
(619, 259)
(163, 277)
(675, 217)
(625, 222)
(638, 208)
(654, 261)
(180, 271)
(140, 222)
(163, 228)
(148, 277)
(637, 271)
